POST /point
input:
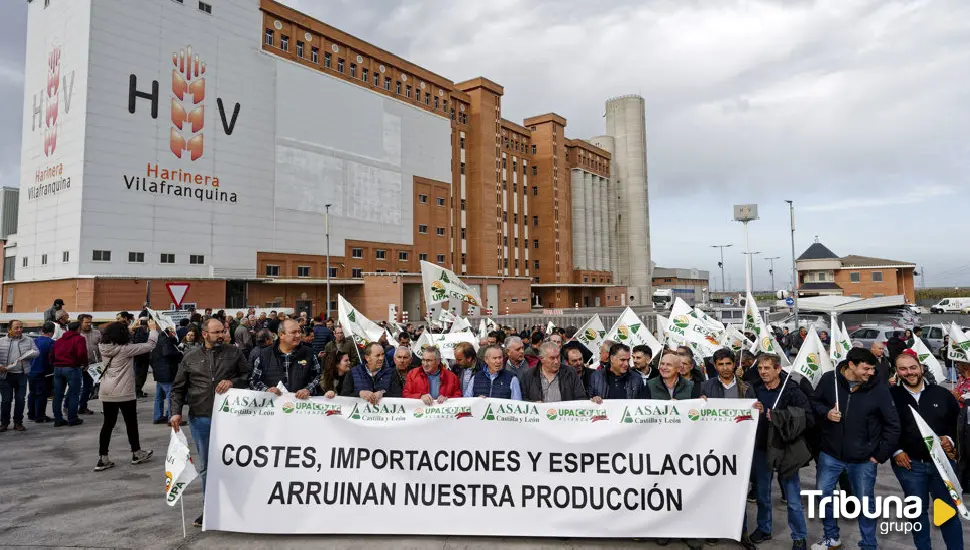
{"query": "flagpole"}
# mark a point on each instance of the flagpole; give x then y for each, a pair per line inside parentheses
(182, 504)
(835, 370)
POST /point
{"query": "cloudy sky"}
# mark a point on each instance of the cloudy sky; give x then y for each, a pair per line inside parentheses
(858, 110)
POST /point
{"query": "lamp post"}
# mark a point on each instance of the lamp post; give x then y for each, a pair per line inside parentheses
(771, 269)
(745, 213)
(327, 206)
(794, 272)
(721, 263)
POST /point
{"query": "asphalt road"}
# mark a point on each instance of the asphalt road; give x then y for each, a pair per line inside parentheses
(51, 497)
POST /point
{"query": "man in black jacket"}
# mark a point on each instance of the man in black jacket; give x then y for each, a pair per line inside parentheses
(165, 360)
(287, 361)
(548, 381)
(912, 463)
(727, 384)
(860, 430)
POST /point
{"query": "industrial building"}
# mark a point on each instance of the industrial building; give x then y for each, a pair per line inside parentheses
(823, 273)
(215, 149)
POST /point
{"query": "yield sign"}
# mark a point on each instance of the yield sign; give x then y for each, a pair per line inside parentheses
(177, 291)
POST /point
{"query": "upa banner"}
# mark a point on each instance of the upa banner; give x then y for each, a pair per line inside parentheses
(441, 284)
(486, 467)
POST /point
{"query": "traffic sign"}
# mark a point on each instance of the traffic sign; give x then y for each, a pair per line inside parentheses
(789, 301)
(177, 291)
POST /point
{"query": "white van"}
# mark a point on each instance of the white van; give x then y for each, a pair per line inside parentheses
(950, 305)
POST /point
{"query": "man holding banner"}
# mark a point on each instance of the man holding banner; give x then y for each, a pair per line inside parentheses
(912, 464)
(372, 379)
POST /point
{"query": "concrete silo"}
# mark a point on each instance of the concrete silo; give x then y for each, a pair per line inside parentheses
(626, 124)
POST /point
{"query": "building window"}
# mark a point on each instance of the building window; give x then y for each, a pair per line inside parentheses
(535, 191)
(535, 171)
(537, 264)
(423, 257)
(284, 42)
(398, 87)
(167, 258)
(100, 256)
(327, 58)
(377, 79)
(854, 277)
(535, 243)
(269, 37)
(505, 240)
(436, 102)
(43, 259)
(462, 168)
(357, 253)
(462, 232)
(440, 231)
(402, 256)
(464, 258)
(65, 256)
(441, 258)
(205, 8)
(302, 271)
(380, 270)
(333, 272)
(196, 259)
(535, 220)
(136, 257)
(363, 74)
(299, 48)
(461, 143)
(272, 270)
(440, 201)
(23, 263)
(422, 229)
(387, 83)
(427, 98)
(877, 276)
(380, 254)
(462, 204)
(407, 92)
(515, 218)
(533, 149)
(340, 65)
(357, 273)
(314, 54)
(423, 199)
(353, 70)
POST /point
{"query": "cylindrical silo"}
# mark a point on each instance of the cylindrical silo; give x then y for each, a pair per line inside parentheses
(611, 228)
(604, 224)
(626, 122)
(588, 193)
(607, 143)
(597, 222)
(580, 231)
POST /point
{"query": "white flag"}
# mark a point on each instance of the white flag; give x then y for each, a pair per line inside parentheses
(549, 328)
(630, 330)
(179, 469)
(764, 339)
(732, 339)
(692, 330)
(812, 360)
(925, 357)
(492, 325)
(164, 322)
(441, 284)
(460, 325)
(445, 342)
(943, 466)
(592, 334)
(840, 343)
(482, 329)
(959, 349)
(673, 340)
(355, 325)
(281, 387)
(95, 370)
(708, 321)
(417, 346)
(751, 315)
(446, 316)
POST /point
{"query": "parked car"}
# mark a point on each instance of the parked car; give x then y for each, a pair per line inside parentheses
(933, 338)
(820, 320)
(867, 334)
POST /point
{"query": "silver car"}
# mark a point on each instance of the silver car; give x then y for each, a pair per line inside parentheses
(867, 334)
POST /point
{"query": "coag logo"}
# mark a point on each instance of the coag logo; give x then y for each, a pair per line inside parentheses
(576, 415)
(444, 412)
(719, 415)
(288, 407)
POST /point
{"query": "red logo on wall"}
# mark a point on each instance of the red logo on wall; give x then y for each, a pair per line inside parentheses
(50, 110)
(188, 114)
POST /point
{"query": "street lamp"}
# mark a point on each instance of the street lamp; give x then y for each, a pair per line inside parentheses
(327, 206)
(794, 272)
(721, 263)
(745, 213)
(771, 269)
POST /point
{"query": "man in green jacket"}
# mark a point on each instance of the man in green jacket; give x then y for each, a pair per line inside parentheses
(669, 385)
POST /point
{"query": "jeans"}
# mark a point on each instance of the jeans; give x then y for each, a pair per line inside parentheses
(862, 477)
(69, 378)
(924, 481)
(163, 395)
(87, 384)
(13, 392)
(40, 390)
(792, 488)
(200, 426)
(127, 409)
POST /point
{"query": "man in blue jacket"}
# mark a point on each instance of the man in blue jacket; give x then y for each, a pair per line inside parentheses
(859, 430)
(41, 376)
(616, 381)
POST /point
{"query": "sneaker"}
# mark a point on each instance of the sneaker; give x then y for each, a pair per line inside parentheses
(76, 422)
(798, 544)
(18, 427)
(59, 423)
(85, 410)
(103, 463)
(198, 521)
(140, 456)
(760, 536)
(827, 544)
(751, 496)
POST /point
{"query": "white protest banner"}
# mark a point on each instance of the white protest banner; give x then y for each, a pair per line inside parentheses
(630, 330)
(95, 371)
(179, 469)
(959, 348)
(460, 325)
(442, 284)
(812, 360)
(446, 342)
(355, 325)
(925, 357)
(691, 330)
(840, 343)
(943, 466)
(518, 464)
(592, 334)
